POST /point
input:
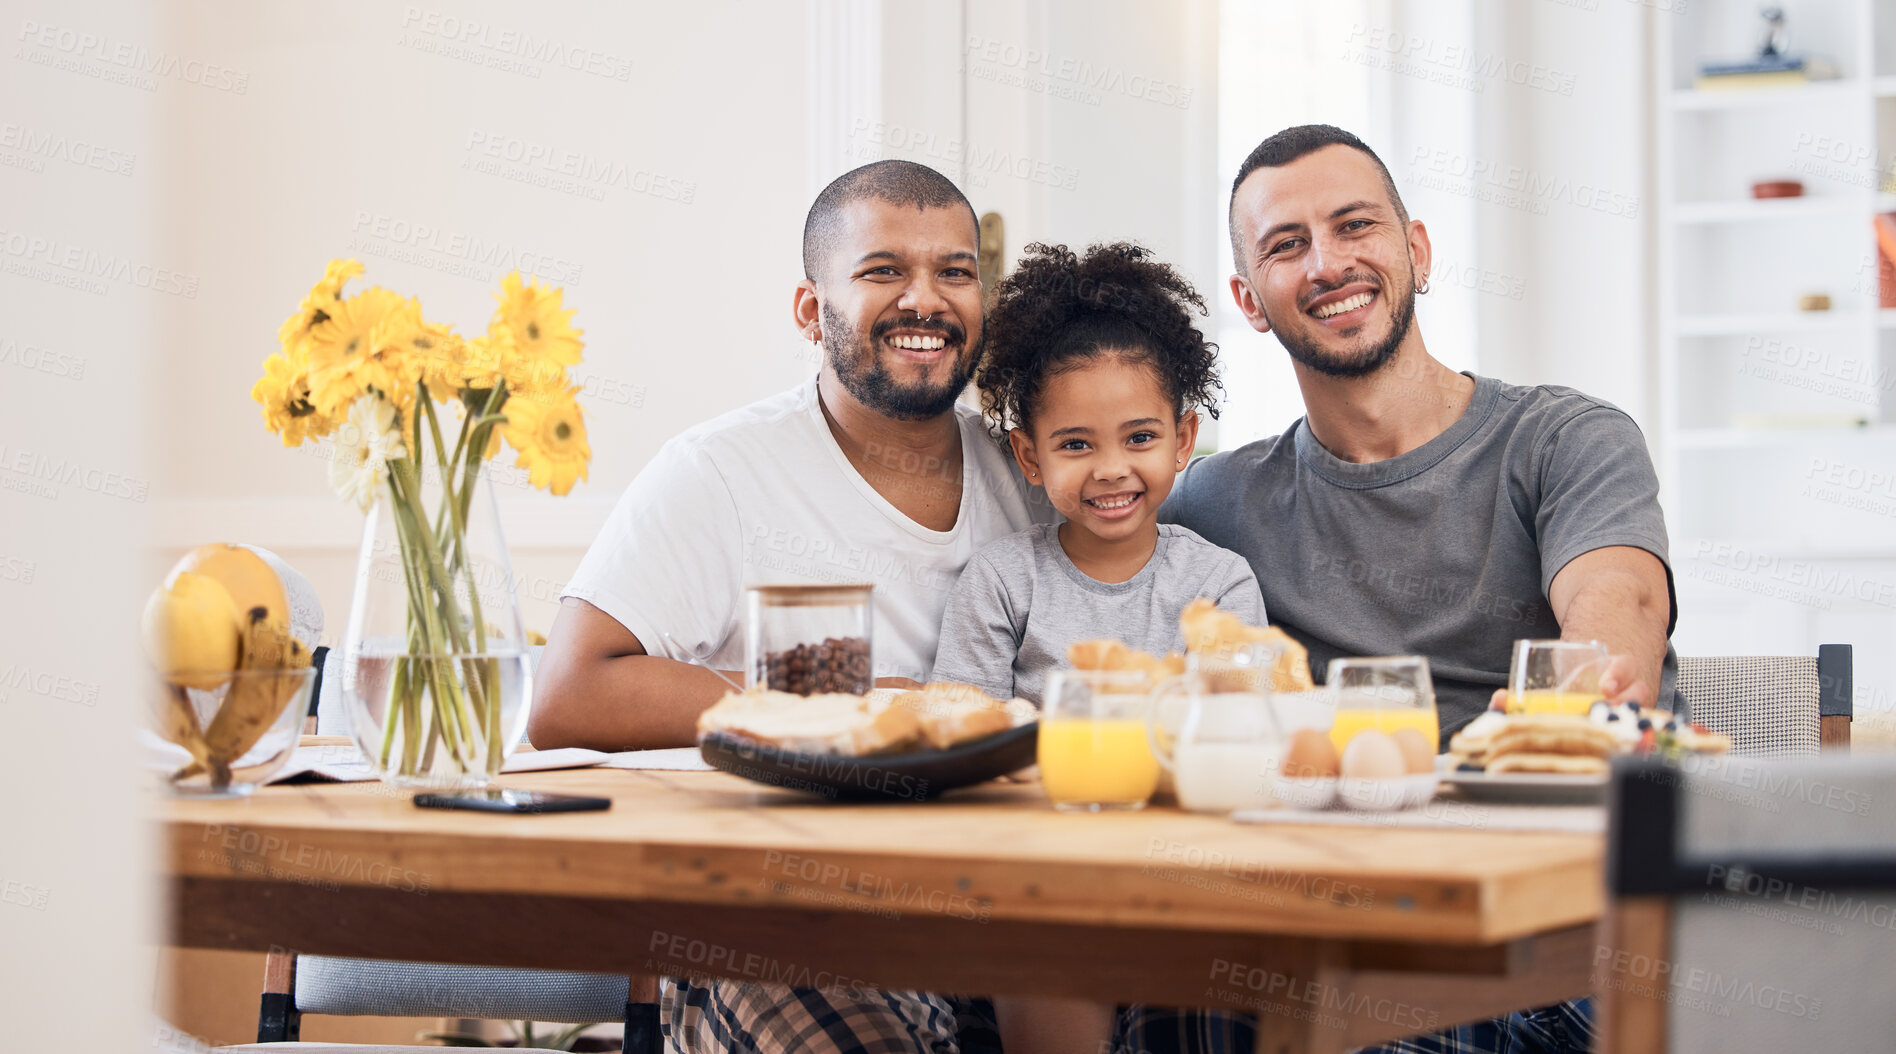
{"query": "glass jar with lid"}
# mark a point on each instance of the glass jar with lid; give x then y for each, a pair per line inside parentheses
(808, 639)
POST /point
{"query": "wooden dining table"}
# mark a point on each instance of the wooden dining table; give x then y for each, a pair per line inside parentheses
(1332, 936)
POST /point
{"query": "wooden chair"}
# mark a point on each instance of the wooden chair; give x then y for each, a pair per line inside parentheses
(1771, 706)
(295, 985)
(1752, 906)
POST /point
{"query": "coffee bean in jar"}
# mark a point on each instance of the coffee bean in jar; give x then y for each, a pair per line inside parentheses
(810, 638)
(839, 664)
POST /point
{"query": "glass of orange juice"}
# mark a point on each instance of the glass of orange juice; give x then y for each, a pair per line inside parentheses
(1388, 694)
(1094, 754)
(1555, 676)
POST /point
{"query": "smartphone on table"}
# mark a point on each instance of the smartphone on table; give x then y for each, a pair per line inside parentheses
(498, 799)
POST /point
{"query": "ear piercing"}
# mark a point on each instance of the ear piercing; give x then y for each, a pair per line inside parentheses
(1424, 287)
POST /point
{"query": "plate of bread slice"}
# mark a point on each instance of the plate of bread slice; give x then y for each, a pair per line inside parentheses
(1554, 758)
(886, 745)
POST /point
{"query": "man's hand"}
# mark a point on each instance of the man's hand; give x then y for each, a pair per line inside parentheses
(1620, 683)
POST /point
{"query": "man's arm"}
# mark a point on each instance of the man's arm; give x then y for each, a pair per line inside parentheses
(596, 687)
(1617, 595)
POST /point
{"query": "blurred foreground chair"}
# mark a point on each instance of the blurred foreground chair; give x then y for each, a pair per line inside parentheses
(1752, 906)
(1785, 705)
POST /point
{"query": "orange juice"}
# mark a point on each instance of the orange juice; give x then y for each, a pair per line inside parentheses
(1350, 722)
(1550, 701)
(1106, 761)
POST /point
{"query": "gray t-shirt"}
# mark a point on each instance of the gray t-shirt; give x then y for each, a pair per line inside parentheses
(1021, 601)
(1446, 551)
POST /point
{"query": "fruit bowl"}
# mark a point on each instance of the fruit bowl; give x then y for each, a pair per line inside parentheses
(228, 739)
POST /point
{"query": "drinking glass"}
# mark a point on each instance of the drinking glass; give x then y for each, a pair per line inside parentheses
(1094, 753)
(1226, 747)
(1388, 694)
(1555, 676)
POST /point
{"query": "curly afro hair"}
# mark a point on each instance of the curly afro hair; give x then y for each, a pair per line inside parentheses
(1057, 310)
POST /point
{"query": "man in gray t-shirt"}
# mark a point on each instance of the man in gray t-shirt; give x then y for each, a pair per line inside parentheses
(1021, 602)
(1417, 510)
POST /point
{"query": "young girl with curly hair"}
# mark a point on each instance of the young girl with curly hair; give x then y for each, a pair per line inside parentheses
(1094, 374)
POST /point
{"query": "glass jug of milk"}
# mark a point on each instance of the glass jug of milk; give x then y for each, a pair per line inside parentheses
(1226, 746)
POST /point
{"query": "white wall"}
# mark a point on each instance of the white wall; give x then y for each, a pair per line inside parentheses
(1531, 282)
(361, 120)
(79, 183)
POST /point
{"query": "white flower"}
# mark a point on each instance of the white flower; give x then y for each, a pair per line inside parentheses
(365, 443)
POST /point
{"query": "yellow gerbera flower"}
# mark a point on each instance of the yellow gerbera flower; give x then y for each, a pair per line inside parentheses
(315, 307)
(541, 330)
(550, 436)
(284, 393)
(530, 376)
(343, 359)
(485, 362)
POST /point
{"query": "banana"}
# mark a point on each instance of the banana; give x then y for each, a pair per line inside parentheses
(192, 631)
(257, 697)
(178, 722)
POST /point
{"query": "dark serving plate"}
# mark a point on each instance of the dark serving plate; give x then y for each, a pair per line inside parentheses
(893, 777)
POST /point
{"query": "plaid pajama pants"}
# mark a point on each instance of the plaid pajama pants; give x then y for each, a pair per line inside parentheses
(716, 1016)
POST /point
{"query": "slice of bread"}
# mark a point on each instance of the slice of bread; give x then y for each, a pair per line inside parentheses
(951, 714)
(1209, 631)
(813, 724)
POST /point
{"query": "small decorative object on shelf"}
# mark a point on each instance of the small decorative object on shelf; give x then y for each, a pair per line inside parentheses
(1814, 302)
(434, 669)
(1773, 66)
(1777, 40)
(1777, 188)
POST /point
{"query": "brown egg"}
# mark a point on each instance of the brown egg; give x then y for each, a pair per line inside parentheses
(1372, 755)
(1310, 756)
(1418, 754)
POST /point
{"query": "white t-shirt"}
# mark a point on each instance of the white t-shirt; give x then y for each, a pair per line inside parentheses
(763, 495)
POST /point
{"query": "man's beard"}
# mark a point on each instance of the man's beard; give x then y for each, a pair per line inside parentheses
(859, 366)
(1366, 360)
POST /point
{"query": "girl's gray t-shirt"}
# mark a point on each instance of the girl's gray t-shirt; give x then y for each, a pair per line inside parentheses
(1021, 602)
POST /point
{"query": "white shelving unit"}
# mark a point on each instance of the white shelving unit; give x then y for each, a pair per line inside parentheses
(1785, 536)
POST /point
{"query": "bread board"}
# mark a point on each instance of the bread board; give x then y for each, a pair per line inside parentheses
(911, 777)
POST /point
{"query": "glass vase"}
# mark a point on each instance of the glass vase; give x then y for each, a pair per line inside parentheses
(435, 671)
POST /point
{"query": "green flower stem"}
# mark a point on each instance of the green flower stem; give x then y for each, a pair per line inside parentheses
(403, 700)
(397, 692)
(421, 625)
(441, 460)
(483, 677)
(441, 583)
(439, 672)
